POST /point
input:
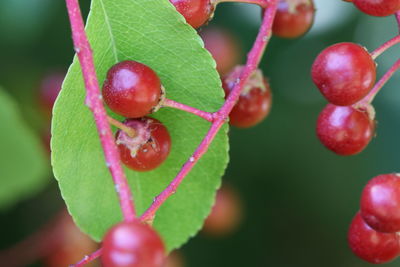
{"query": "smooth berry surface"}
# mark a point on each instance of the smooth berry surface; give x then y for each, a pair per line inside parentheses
(131, 89)
(49, 89)
(148, 149)
(293, 18)
(254, 102)
(344, 130)
(132, 244)
(380, 203)
(378, 8)
(344, 73)
(370, 245)
(196, 12)
(225, 214)
(223, 47)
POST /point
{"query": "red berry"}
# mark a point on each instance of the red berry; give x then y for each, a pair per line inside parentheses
(378, 8)
(223, 47)
(225, 214)
(132, 244)
(380, 203)
(370, 245)
(196, 12)
(344, 130)
(49, 88)
(174, 259)
(293, 18)
(132, 89)
(254, 102)
(148, 149)
(344, 73)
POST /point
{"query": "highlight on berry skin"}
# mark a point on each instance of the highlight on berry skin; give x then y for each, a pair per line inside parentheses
(380, 203)
(293, 18)
(132, 89)
(370, 245)
(132, 244)
(255, 101)
(344, 73)
(148, 149)
(196, 12)
(379, 8)
(345, 130)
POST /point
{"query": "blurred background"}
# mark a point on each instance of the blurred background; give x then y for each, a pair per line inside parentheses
(297, 198)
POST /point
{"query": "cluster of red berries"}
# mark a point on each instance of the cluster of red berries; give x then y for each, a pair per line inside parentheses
(374, 233)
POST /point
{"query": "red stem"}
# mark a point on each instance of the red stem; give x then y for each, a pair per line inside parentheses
(220, 116)
(88, 259)
(94, 102)
(203, 114)
(377, 52)
(371, 95)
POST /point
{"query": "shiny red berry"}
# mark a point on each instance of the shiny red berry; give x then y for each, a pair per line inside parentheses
(132, 89)
(254, 102)
(223, 47)
(344, 130)
(378, 8)
(132, 244)
(380, 203)
(196, 12)
(370, 245)
(293, 18)
(49, 88)
(344, 73)
(225, 215)
(148, 148)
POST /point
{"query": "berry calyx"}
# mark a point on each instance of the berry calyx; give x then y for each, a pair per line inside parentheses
(370, 245)
(225, 215)
(196, 12)
(223, 47)
(132, 244)
(293, 18)
(379, 8)
(345, 130)
(148, 149)
(380, 203)
(132, 89)
(254, 102)
(344, 73)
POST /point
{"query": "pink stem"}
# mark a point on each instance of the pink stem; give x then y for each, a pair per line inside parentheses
(261, 3)
(220, 116)
(203, 114)
(377, 52)
(88, 259)
(94, 102)
(397, 15)
(371, 95)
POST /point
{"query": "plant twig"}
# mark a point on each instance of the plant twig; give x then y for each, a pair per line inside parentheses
(95, 104)
(220, 116)
(88, 259)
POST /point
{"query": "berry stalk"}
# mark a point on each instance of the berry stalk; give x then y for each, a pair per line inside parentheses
(95, 104)
(202, 114)
(377, 52)
(221, 115)
(88, 258)
(371, 95)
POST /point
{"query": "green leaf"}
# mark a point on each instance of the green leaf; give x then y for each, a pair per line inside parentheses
(151, 32)
(23, 163)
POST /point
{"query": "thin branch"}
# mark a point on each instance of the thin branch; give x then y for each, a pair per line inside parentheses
(173, 104)
(87, 259)
(220, 116)
(95, 103)
(377, 52)
(378, 86)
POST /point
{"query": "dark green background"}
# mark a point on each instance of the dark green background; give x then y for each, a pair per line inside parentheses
(298, 197)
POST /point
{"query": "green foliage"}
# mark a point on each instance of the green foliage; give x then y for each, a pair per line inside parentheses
(23, 165)
(151, 32)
